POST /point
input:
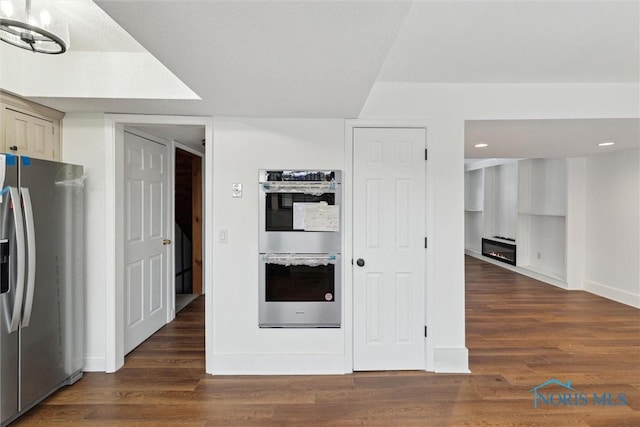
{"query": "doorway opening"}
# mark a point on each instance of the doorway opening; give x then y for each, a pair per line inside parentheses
(188, 228)
(188, 134)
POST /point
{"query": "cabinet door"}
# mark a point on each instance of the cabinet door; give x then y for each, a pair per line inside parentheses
(30, 136)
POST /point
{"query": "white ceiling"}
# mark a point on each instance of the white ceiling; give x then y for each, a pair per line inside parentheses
(320, 58)
(257, 58)
(90, 28)
(549, 138)
(517, 41)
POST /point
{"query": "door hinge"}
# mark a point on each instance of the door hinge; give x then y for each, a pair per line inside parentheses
(425, 154)
(425, 331)
(425, 243)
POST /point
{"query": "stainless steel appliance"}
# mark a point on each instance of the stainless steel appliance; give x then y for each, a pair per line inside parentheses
(41, 270)
(284, 197)
(300, 290)
(300, 245)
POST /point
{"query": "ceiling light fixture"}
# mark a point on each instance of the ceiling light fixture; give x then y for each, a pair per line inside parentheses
(606, 144)
(26, 32)
(481, 145)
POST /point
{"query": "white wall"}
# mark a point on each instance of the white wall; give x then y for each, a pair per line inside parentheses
(612, 249)
(241, 147)
(126, 75)
(486, 101)
(84, 143)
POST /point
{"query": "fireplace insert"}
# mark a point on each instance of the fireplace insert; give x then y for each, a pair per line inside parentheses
(501, 251)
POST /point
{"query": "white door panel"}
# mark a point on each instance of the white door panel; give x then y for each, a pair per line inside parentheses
(389, 231)
(146, 198)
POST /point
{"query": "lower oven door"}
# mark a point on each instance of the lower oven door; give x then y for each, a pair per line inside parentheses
(300, 290)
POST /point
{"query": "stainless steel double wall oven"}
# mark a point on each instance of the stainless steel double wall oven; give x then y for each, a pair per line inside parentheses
(300, 248)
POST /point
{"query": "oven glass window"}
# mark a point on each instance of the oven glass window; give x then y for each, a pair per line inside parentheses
(279, 212)
(299, 282)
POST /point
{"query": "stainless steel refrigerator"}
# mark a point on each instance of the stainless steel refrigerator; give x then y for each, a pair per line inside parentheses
(41, 277)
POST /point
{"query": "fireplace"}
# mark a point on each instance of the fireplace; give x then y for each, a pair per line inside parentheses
(501, 251)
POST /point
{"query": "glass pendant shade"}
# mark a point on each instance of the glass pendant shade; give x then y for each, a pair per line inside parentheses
(32, 28)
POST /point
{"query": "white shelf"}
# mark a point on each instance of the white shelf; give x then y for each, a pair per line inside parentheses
(542, 214)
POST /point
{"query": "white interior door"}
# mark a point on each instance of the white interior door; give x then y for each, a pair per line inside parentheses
(389, 242)
(145, 225)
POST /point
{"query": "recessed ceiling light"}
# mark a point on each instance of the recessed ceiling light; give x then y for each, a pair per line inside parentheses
(606, 144)
(482, 145)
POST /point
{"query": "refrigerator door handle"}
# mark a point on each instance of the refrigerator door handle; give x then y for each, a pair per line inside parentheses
(14, 195)
(31, 256)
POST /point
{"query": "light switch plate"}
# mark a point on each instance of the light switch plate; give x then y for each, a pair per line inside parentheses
(236, 190)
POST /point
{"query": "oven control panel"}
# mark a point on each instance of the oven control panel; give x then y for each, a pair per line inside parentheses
(290, 175)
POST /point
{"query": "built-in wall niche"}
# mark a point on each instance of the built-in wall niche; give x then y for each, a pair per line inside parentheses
(501, 201)
(474, 209)
(474, 190)
(542, 206)
(542, 187)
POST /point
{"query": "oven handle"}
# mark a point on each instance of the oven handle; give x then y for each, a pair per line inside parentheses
(311, 188)
(311, 260)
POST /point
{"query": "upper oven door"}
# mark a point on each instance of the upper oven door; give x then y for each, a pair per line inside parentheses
(300, 217)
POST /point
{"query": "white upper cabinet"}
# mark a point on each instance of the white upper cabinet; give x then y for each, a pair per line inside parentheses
(29, 129)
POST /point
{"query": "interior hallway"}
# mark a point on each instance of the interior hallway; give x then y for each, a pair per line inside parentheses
(520, 333)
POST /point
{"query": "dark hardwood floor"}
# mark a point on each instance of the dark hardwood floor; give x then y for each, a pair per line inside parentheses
(520, 333)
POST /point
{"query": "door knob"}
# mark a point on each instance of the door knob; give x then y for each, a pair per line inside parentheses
(360, 262)
(166, 242)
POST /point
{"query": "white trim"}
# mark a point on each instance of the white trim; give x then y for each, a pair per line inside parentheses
(207, 249)
(347, 248)
(114, 351)
(114, 154)
(609, 292)
(94, 364)
(599, 289)
(348, 237)
(171, 270)
(279, 364)
(450, 360)
(520, 270)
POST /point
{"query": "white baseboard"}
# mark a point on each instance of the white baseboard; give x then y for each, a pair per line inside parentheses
(95, 364)
(521, 270)
(278, 364)
(614, 294)
(451, 360)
